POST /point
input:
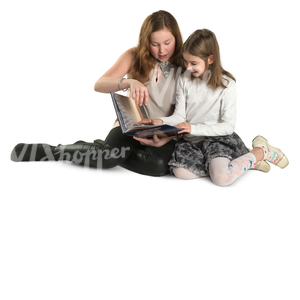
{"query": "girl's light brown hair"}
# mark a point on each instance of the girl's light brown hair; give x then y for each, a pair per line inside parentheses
(203, 43)
(143, 62)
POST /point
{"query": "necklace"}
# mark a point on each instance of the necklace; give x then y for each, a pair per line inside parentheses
(166, 68)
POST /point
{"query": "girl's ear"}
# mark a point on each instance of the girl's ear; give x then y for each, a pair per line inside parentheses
(211, 59)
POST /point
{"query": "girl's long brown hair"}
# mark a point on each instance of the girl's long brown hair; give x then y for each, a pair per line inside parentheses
(203, 43)
(143, 62)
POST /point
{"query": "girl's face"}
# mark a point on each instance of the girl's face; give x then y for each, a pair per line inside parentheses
(194, 64)
(162, 44)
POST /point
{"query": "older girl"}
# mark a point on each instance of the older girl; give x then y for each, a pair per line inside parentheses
(151, 69)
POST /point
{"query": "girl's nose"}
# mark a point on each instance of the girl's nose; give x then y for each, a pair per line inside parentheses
(161, 49)
(189, 67)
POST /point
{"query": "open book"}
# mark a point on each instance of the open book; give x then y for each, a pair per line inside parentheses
(129, 114)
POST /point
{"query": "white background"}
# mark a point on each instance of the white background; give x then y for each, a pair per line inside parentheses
(69, 232)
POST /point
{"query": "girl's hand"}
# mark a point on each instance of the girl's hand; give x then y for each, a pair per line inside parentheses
(154, 142)
(139, 93)
(186, 127)
(150, 122)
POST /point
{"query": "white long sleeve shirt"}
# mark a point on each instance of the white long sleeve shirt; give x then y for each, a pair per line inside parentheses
(211, 112)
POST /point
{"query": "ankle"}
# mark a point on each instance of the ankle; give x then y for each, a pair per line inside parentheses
(259, 153)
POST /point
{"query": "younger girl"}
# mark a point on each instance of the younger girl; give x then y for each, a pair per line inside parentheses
(206, 112)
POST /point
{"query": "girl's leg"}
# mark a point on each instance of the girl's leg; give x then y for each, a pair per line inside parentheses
(224, 172)
(115, 150)
(151, 161)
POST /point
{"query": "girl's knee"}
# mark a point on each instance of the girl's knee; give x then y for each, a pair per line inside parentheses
(219, 171)
(146, 162)
(220, 178)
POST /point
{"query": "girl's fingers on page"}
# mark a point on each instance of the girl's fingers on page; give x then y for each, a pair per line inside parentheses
(143, 123)
(146, 97)
(137, 96)
(141, 98)
(145, 93)
(133, 94)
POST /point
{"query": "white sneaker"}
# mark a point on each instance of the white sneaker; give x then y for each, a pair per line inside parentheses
(271, 154)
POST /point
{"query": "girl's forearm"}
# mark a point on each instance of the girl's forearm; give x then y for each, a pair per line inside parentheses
(108, 84)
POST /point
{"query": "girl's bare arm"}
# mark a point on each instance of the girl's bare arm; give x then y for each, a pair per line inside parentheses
(109, 81)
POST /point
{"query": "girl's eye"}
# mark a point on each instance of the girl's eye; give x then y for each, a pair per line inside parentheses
(167, 43)
(153, 45)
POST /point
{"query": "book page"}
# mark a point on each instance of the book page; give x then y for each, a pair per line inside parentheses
(128, 110)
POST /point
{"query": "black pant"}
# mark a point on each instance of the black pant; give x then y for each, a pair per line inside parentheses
(117, 149)
(141, 159)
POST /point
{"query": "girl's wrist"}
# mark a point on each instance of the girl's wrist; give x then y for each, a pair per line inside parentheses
(157, 121)
(125, 84)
